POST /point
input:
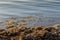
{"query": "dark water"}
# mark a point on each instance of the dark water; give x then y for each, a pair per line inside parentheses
(45, 9)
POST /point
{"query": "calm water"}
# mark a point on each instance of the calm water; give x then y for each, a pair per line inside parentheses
(45, 9)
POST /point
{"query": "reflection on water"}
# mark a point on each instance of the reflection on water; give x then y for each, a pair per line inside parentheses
(47, 10)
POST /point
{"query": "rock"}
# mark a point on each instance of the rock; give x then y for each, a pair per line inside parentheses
(37, 37)
(23, 32)
(41, 33)
(39, 28)
(56, 26)
(8, 26)
(12, 31)
(14, 18)
(2, 31)
(28, 31)
(11, 24)
(58, 33)
(21, 28)
(28, 37)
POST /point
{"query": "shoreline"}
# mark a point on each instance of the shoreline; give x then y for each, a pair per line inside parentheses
(19, 31)
(29, 33)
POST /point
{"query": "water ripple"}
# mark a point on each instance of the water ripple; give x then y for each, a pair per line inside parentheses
(49, 8)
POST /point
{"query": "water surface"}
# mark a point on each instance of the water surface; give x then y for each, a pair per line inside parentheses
(45, 9)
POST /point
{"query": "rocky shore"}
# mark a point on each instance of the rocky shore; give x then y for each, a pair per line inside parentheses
(29, 33)
(14, 31)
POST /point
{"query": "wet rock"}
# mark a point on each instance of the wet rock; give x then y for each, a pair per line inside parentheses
(39, 28)
(12, 31)
(56, 26)
(37, 37)
(58, 33)
(28, 37)
(2, 33)
(22, 28)
(28, 31)
(41, 33)
(50, 29)
(2, 29)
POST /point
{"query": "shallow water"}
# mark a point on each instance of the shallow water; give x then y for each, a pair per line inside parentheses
(45, 9)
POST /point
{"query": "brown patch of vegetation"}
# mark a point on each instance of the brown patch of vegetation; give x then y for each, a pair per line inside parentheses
(21, 32)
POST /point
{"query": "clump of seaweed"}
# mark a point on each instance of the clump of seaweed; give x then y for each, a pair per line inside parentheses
(16, 31)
